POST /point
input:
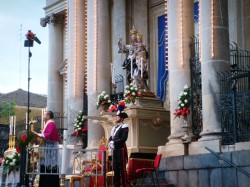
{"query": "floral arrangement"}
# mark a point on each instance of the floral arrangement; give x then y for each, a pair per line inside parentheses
(79, 126)
(11, 163)
(103, 100)
(131, 93)
(184, 103)
(25, 140)
(115, 107)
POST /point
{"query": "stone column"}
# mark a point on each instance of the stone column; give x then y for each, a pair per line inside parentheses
(98, 58)
(246, 6)
(180, 30)
(55, 80)
(214, 57)
(118, 19)
(235, 22)
(75, 51)
(141, 18)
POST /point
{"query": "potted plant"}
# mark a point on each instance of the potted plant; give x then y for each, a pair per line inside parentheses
(184, 103)
(11, 163)
(79, 125)
(131, 93)
(103, 101)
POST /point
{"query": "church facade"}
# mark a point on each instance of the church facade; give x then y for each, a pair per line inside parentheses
(83, 44)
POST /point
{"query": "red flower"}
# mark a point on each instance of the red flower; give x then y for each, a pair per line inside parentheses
(17, 149)
(84, 129)
(182, 112)
(177, 113)
(185, 111)
(122, 103)
(112, 108)
(23, 138)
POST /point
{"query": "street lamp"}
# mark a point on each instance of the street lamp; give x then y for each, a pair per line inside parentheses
(29, 42)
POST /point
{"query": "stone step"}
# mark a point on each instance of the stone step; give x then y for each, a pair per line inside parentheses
(148, 182)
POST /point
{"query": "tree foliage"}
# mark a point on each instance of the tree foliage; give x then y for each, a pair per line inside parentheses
(7, 108)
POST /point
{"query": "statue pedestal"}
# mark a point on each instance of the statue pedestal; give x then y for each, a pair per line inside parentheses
(149, 125)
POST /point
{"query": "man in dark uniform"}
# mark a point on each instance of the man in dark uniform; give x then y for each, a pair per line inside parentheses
(119, 135)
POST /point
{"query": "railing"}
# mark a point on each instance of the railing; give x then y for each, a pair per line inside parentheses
(76, 162)
(196, 95)
(228, 161)
(235, 98)
(70, 161)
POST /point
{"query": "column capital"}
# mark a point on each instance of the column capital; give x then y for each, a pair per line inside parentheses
(52, 18)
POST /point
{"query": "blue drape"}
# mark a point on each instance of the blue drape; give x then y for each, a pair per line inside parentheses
(196, 12)
(162, 57)
(162, 72)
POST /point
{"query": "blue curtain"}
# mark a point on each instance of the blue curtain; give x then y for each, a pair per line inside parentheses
(162, 72)
(196, 12)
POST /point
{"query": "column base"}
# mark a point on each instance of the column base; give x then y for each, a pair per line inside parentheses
(199, 147)
(172, 150)
(210, 135)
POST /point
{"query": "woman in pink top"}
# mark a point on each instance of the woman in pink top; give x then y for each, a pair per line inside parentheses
(49, 164)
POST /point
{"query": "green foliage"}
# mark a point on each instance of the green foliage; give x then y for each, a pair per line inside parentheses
(7, 109)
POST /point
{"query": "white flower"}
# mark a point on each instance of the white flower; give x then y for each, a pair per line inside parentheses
(79, 128)
(179, 102)
(109, 101)
(185, 93)
(131, 84)
(186, 86)
(186, 101)
(12, 164)
(182, 104)
(103, 92)
(126, 86)
(131, 88)
(133, 93)
(136, 88)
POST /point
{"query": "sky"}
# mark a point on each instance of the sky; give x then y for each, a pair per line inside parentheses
(16, 18)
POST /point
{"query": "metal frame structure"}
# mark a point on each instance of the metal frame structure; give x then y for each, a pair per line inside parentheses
(235, 98)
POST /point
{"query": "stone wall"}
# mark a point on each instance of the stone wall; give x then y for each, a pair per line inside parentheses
(205, 170)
